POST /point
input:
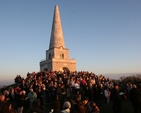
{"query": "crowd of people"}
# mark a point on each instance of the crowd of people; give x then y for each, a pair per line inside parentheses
(64, 92)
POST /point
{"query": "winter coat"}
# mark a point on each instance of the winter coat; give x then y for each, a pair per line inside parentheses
(32, 96)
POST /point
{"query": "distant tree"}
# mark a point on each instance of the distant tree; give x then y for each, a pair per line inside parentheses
(136, 79)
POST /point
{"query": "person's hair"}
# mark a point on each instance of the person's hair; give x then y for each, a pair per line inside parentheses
(115, 84)
(66, 105)
(85, 98)
(94, 107)
(92, 104)
(134, 86)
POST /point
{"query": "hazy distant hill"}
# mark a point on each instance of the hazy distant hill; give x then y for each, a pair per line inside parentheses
(1, 86)
(117, 76)
(6, 83)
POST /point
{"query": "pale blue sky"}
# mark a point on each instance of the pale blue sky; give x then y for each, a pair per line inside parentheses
(103, 36)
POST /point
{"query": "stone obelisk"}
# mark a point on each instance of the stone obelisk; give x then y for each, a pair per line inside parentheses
(57, 38)
(57, 56)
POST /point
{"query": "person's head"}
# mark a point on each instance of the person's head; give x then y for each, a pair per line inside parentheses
(2, 97)
(107, 88)
(20, 92)
(92, 104)
(6, 92)
(12, 90)
(31, 90)
(23, 81)
(134, 86)
(66, 105)
(62, 85)
(24, 92)
(85, 100)
(115, 85)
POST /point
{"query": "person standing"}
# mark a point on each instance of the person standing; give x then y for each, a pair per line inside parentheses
(20, 102)
(135, 98)
(100, 96)
(116, 100)
(59, 95)
(31, 96)
(107, 95)
(2, 101)
(85, 101)
(94, 107)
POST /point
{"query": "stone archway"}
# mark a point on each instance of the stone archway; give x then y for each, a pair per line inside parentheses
(45, 69)
(65, 69)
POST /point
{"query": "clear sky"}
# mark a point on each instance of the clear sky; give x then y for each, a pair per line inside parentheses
(103, 36)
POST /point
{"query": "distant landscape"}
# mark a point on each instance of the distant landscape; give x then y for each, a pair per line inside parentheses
(117, 76)
(6, 83)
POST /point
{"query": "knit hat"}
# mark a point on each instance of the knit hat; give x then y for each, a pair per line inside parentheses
(66, 105)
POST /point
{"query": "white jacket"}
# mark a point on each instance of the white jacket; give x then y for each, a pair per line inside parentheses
(66, 111)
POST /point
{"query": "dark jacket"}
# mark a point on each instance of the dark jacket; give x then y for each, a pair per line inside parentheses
(116, 100)
(57, 111)
(35, 109)
(135, 96)
(20, 100)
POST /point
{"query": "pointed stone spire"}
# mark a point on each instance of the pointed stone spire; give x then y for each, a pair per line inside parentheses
(57, 38)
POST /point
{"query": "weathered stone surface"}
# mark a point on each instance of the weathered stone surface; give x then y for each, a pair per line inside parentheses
(57, 38)
(57, 56)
